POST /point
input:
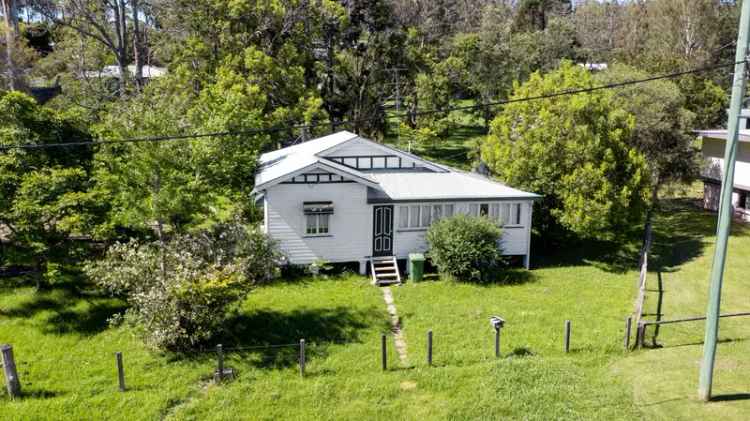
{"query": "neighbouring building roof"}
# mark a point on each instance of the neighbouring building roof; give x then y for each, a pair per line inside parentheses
(149, 72)
(721, 134)
(430, 181)
(594, 66)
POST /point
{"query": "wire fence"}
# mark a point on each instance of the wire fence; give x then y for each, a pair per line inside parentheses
(301, 350)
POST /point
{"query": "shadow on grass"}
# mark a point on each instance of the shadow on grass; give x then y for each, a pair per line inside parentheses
(680, 229)
(319, 328)
(521, 352)
(697, 343)
(731, 397)
(33, 393)
(90, 321)
(68, 310)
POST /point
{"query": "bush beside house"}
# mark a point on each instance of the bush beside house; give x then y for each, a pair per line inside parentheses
(465, 247)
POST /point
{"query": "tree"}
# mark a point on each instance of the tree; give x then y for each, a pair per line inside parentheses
(155, 186)
(662, 134)
(574, 151)
(46, 194)
(534, 15)
(106, 23)
(10, 15)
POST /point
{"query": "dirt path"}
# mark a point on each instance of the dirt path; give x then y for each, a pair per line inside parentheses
(395, 325)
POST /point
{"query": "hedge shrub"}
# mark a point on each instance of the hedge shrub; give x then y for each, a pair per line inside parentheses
(464, 247)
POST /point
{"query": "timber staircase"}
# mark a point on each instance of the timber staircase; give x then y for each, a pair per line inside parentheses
(384, 270)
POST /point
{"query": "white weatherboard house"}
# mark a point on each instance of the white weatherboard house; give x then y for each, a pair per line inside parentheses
(714, 142)
(344, 198)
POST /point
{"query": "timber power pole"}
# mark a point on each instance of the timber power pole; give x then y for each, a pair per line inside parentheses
(725, 208)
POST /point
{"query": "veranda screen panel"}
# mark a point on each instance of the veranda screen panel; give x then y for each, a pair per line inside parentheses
(403, 217)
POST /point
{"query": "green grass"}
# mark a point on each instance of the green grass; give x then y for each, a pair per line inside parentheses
(65, 350)
(456, 150)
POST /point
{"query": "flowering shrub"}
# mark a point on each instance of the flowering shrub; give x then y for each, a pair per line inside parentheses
(179, 292)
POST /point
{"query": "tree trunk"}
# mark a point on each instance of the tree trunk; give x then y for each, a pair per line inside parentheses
(10, 14)
(121, 48)
(159, 226)
(137, 45)
(645, 250)
(39, 272)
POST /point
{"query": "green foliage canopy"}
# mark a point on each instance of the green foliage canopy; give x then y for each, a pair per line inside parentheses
(45, 194)
(572, 149)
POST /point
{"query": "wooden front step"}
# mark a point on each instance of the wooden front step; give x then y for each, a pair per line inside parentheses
(384, 270)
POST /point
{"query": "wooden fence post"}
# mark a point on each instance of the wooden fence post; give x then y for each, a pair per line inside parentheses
(640, 333)
(11, 375)
(566, 344)
(120, 371)
(497, 343)
(383, 350)
(220, 362)
(429, 347)
(302, 357)
(628, 328)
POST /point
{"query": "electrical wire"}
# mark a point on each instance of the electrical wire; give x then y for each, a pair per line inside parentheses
(269, 130)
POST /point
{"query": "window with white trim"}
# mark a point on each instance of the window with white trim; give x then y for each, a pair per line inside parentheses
(317, 217)
(422, 216)
(317, 224)
(506, 214)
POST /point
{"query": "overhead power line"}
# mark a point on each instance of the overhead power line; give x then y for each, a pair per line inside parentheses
(292, 127)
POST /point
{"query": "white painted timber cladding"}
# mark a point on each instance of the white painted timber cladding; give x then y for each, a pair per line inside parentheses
(515, 240)
(350, 237)
(350, 226)
(713, 152)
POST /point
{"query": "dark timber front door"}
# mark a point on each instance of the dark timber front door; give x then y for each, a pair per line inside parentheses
(382, 231)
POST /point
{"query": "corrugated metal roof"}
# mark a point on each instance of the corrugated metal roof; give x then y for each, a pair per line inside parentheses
(457, 185)
(444, 183)
(282, 167)
(309, 148)
(721, 134)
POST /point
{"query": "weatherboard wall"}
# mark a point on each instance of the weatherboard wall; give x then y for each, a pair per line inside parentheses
(514, 240)
(350, 226)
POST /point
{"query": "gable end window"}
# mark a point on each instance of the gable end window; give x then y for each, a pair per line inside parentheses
(317, 217)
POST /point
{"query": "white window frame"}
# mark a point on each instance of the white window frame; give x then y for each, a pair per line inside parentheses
(316, 230)
(420, 209)
(514, 211)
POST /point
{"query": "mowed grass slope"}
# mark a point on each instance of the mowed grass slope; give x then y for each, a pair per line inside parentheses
(65, 350)
(665, 379)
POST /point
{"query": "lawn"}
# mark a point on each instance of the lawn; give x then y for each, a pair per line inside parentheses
(65, 349)
(455, 150)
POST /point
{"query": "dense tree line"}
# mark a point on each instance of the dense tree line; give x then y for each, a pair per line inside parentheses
(274, 64)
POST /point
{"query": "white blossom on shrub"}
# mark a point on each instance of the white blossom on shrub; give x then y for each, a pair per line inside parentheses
(180, 294)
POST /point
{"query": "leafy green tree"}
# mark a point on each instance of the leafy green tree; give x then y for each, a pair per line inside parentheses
(154, 185)
(46, 193)
(572, 149)
(706, 100)
(432, 94)
(662, 134)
